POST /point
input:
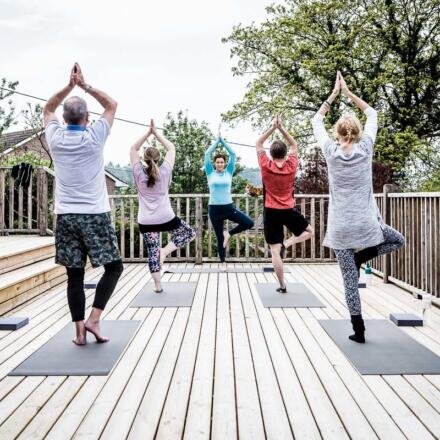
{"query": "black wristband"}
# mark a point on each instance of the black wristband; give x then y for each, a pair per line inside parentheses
(327, 103)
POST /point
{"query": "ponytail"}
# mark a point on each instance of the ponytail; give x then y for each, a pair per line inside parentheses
(151, 158)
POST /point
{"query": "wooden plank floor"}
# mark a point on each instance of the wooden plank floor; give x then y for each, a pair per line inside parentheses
(226, 368)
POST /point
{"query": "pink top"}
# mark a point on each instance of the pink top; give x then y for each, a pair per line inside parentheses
(154, 202)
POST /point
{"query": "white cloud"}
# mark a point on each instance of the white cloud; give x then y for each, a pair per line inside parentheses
(153, 57)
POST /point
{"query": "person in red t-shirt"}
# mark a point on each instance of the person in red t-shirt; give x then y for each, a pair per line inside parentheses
(278, 175)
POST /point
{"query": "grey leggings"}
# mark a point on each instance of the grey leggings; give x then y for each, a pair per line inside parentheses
(394, 240)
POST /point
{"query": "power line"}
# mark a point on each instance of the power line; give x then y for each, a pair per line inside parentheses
(128, 121)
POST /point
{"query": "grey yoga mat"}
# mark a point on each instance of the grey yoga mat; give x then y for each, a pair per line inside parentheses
(217, 270)
(177, 294)
(298, 295)
(59, 356)
(387, 350)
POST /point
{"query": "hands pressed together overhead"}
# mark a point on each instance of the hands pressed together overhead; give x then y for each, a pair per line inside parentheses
(77, 77)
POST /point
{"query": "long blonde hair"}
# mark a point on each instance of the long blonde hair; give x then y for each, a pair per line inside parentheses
(348, 128)
(149, 163)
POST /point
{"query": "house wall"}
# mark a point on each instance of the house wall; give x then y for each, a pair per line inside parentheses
(34, 146)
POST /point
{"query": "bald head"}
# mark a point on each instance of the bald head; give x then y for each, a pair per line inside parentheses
(75, 111)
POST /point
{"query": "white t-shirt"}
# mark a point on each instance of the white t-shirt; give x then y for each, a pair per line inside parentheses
(79, 167)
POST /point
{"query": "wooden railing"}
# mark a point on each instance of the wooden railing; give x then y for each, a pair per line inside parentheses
(248, 246)
(417, 215)
(27, 210)
(417, 264)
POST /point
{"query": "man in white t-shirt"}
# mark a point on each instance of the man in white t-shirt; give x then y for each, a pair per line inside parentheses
(81, 201)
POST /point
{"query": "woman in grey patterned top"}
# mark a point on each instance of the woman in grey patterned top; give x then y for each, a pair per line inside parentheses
(354, 221)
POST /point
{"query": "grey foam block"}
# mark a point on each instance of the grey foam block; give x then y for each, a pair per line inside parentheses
(177, 294)
(406, 320)
(89, 285)
(387, 350)
(298, 295)
(61, 357)
(362, 285)
(13, 323)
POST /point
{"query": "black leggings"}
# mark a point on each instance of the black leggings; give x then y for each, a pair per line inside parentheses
(106, 285)
(218, 214)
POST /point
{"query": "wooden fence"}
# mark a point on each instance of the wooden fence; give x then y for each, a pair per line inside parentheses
(416, 215)
(27, 210)
(248, 246)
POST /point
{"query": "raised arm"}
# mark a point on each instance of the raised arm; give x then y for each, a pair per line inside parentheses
(134, 150)
(55, 101)
(319, 130)
(232, 156)
(208, 164)
(109, 104)
(170, 156)
(288, 137)
(264, 137)
(370, 127)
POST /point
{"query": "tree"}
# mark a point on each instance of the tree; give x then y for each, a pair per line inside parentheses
(313, 176)
(192, 139)
(7, 116)
(389, 51)
(33, 118)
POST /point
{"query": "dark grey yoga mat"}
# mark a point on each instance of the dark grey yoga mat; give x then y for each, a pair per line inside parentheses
(61, 357)
(178, 294)
(217, 270)
(387, 350)
(298, 295)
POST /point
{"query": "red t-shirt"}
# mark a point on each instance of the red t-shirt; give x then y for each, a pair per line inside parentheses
(278, 182)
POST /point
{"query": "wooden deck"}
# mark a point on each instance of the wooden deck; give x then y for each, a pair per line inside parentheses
(226, 368)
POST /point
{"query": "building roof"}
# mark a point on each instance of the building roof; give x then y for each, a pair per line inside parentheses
(9, 140)
(122, 174)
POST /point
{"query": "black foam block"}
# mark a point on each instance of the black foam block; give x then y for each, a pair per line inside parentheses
(406, 320)
(13, 323)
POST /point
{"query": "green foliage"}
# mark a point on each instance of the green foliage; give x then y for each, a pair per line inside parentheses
(192, 139)
(389, 51)
(29, 157)
(7, 109)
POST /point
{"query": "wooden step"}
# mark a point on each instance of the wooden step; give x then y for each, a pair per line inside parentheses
(22, 284)
(21, 251)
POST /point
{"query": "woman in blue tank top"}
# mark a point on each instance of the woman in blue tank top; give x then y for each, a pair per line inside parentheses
(221, 207)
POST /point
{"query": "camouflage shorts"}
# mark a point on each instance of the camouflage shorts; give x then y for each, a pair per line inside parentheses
(81, 235)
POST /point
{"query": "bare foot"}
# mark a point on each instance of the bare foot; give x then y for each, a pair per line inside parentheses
(226, 237)
(158, 289)
(94, 329)
(223, 267)
(80, 340)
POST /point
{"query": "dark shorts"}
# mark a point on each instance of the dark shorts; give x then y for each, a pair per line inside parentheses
(276, 219)
(81, 235)
(163, 227)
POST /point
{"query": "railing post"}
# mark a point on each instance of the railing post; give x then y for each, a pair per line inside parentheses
(199, 230)
(2, 201)
(387, 188)
(42, 201)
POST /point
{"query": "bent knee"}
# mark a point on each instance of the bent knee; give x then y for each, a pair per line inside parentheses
(115, 267)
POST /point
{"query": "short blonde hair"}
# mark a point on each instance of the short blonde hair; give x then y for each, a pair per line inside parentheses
(349, 128)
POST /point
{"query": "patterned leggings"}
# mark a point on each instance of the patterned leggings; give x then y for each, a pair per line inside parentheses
(179, 236)
(394, 240)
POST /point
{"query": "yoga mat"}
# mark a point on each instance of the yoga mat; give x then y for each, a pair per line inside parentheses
(387, 350)
(13, 323)
(178, 294)
(298, 295)
(61, 357)
(217, 270)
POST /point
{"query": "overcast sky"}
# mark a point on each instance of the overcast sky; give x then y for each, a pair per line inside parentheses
(152, 57)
